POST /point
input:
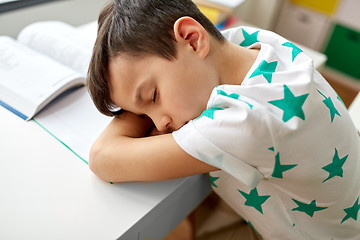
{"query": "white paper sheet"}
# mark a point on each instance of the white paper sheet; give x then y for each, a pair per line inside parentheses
(74, 120)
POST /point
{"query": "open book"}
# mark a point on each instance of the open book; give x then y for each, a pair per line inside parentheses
(40, 71)
(46, 59)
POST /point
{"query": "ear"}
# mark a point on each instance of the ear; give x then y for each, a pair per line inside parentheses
(188, 32)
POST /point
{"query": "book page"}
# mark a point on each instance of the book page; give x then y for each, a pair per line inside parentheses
(88, 31)
(74, 120)
(60, 41)
(28, 80)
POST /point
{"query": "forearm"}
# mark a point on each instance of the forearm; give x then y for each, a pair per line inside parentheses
(127, 124)
(122, 154)
(113, 142)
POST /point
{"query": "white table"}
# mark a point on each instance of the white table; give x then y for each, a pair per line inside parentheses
(49, 193)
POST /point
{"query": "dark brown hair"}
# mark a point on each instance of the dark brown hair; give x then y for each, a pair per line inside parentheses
(138, 28)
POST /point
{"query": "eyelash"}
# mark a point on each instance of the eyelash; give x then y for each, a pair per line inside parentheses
(154, 96)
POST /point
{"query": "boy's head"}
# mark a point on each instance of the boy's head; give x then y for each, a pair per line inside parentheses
(140, 31)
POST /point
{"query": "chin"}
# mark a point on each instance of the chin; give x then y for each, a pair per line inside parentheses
(184, 124)
(178, 127)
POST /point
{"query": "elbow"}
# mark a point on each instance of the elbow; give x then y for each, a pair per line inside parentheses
(93, 156)
(95, 160)
(98, 163)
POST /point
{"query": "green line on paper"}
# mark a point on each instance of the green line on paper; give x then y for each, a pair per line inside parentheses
(60, 141)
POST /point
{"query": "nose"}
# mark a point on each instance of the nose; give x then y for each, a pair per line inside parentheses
(162, 123)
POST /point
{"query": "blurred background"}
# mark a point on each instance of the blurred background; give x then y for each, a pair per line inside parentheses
(330, 27)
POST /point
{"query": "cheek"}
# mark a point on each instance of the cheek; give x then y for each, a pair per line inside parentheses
(189, 105)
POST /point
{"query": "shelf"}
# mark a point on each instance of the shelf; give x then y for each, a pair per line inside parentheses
(10, 5)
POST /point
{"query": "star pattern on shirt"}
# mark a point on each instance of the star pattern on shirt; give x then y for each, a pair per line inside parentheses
(234, 96)
(252, 226)
(295, 49)
(209, 113)
(266, 69)
(249, 39)
(254, 200)
(338, 98)
(352, 212)
(280, 168)
(330, 105)
(231, 95)
(309, 209)
(213, 179)
(291, 105)
(214, 161)
(336, 167)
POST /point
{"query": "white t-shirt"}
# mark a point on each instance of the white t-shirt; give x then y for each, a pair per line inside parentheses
(288, 150)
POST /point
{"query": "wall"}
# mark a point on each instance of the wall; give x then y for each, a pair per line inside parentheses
(75, 12)
(261, 13)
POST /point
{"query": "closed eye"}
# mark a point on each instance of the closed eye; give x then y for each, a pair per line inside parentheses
(154, 96)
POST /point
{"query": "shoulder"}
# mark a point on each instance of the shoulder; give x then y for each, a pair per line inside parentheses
(275, 46)
(247, 35)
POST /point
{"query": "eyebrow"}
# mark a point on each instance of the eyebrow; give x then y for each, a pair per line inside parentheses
(138, 97)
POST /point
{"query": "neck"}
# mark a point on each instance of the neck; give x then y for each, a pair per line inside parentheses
(233, 62)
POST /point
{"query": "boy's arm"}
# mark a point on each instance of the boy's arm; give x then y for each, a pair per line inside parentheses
(121, 153)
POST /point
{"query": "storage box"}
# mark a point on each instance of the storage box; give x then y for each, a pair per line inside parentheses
(324, 6)
(216, 16)
(348, 13)
(343, 51)
(303, 26)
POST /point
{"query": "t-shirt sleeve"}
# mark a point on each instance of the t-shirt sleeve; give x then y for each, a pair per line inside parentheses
(233, 135)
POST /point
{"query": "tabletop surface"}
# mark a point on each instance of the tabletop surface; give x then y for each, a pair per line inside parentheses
(49, 193)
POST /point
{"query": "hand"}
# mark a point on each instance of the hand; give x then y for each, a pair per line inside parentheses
(128, 124)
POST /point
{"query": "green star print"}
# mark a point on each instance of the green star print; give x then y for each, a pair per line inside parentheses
(295, 49)
(266, 69)
(213, 179)
(254, 200)
(249, 38)
(291, 105)
(279, 168)
(252, 226)
(231, 95)
(309, 209)
(234, 96)
(335, 168)
(352, 212)
(330, 105)
(341, 101)
(209, 113)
